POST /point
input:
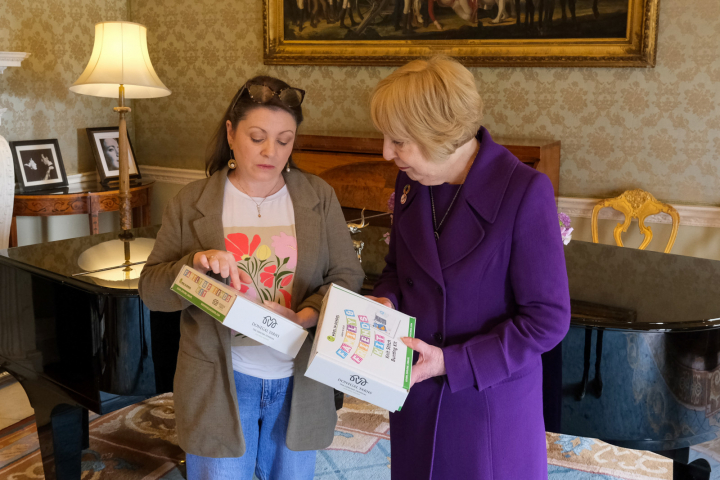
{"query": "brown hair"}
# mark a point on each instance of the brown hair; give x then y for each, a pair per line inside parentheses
(219, 149)
(432, 103)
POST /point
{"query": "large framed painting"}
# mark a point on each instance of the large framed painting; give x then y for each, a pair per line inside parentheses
(533, 33)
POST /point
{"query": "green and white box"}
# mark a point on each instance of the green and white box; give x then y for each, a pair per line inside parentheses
(236, 311)
(357, 349)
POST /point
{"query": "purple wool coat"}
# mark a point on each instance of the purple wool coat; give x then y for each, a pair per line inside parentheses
(493, 294)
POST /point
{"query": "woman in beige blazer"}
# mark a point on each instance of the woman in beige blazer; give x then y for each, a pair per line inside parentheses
(273, 232)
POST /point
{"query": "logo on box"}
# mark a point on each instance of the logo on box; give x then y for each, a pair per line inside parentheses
(270, 322)
(358, 380)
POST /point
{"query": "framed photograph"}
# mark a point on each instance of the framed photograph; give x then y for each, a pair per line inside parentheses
(38, 165)
(497, 33)
(104, 142)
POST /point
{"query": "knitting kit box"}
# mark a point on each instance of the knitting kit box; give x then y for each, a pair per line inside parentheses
(357, 349)
(236, 311)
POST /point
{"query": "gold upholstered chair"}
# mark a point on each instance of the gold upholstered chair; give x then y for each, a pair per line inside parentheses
(633, 204)
(636, 204)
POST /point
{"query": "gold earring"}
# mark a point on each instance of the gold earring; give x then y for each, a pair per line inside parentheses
(287, 167)
(232, 164)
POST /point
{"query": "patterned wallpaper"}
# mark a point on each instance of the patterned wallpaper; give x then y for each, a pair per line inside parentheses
(59, 34)
(657, 129)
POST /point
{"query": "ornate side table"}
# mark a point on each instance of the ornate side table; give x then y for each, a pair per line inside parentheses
(78, 200)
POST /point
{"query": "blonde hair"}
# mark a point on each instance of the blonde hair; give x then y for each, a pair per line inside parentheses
(433, 103)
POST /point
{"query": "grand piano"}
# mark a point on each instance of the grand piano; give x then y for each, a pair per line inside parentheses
(640, 365)
(641, 362)
(79, 343)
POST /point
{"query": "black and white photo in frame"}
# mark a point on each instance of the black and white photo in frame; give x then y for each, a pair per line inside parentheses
(38, 165)
(105, 144)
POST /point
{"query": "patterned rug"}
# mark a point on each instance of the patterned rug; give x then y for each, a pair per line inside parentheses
(139, 443)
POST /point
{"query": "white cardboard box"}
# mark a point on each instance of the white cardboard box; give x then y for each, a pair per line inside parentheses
(236, 311)
(357, 349)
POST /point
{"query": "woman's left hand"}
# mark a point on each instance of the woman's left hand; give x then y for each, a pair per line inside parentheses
(306, 318)
(431, 362)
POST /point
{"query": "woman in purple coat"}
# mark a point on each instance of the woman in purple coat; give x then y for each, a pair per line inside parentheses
(476, 256)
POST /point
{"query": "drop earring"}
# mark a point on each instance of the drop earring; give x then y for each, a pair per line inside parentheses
(287, 167)
(232, 164)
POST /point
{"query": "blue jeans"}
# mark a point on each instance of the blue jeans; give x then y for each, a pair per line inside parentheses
(264, 407)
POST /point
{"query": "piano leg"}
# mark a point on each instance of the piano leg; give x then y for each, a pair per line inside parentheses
(61, 442)
(597, 381)
(682, 470)
(63, 430)
(85, 429)
(582, 389)
(552, 388)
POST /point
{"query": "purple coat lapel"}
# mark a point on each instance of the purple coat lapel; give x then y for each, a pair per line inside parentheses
(416, 227)
(481, 196)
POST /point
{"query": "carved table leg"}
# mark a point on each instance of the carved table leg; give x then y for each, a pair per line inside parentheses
(146, 219)
(13, 232)
(145, 215)
(94, 209)
(137, 216)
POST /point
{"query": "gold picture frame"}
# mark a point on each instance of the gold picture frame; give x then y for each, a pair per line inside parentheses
(290, 40)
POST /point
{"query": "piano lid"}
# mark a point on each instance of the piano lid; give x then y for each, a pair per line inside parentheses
(65, 259)
(641, 290)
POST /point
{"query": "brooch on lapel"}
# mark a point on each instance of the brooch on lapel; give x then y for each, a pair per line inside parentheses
(403, 199)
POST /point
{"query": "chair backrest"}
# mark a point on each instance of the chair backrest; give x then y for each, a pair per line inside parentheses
(636, 204)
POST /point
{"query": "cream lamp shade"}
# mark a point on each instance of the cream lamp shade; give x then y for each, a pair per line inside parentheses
(120, 57)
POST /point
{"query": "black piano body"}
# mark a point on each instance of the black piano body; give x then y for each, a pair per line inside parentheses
(641, 362)
(76, 343)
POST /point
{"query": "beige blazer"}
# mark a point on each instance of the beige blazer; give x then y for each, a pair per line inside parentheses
(206, 409)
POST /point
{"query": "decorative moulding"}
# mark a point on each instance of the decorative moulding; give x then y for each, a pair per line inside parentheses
(690, 215)
(83, 179)
(178, 176)
(11, 59)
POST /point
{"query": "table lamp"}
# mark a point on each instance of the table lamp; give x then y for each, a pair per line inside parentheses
(120, 67)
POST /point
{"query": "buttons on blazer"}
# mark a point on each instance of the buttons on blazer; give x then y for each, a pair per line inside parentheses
(439, 290)
(438, 337)
(409, 281)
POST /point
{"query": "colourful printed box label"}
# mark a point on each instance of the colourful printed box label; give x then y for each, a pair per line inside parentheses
(238, 312)
(212, 297)
(360, 339)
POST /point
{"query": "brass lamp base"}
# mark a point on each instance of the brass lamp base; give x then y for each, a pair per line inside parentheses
(124, 191)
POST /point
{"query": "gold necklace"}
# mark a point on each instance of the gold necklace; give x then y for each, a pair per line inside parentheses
(264, 198)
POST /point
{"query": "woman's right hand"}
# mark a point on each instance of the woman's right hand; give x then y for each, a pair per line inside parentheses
(381, 300)
(223, 263)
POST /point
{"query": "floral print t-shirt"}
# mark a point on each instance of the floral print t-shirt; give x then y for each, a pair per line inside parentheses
(266, 248)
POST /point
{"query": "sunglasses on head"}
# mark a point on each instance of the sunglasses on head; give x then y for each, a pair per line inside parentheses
(290, 96)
